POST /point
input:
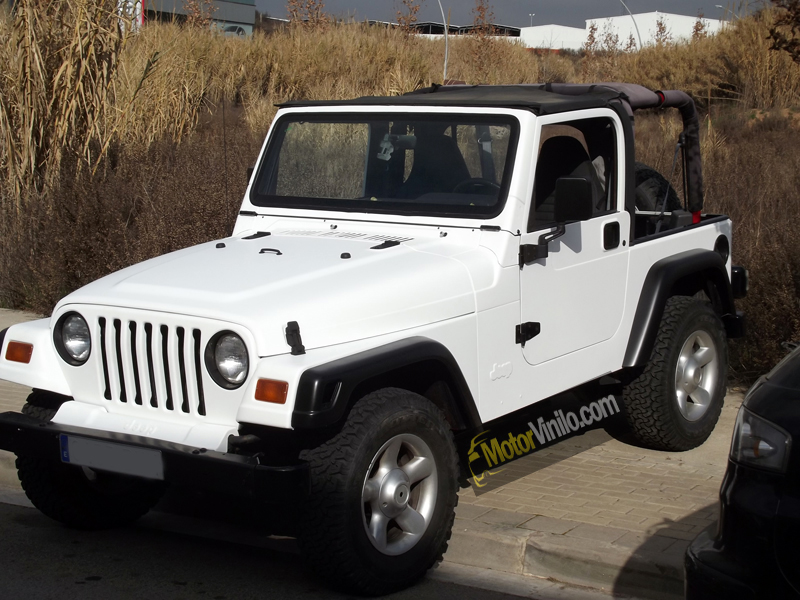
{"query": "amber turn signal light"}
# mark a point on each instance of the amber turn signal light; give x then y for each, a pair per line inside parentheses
(269, 390)
(19, 352)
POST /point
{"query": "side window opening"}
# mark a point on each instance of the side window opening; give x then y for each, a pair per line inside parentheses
(584, 149)
(659, 177)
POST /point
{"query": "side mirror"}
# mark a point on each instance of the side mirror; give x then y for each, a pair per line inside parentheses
(250, 173)
(574, 201)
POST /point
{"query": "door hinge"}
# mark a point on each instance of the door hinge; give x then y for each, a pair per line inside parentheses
(531, 252)
(527, 331)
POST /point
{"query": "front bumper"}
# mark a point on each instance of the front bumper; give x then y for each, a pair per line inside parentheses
(741, 562)
(709, 574)
(245, 476)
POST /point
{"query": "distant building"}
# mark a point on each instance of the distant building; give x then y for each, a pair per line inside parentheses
(232, 16)
(557, 37)
(268, 24)
(553, 37)
(679, 28)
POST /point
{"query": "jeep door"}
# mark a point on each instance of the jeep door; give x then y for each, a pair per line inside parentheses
(577, 293)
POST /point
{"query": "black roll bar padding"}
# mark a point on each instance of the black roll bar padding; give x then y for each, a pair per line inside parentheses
(691, 129)
(636, 96)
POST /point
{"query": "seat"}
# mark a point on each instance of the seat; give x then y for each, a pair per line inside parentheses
(561, 156)
(438, 167)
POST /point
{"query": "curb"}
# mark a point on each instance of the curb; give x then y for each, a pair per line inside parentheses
(599, 565)
(568, 560)
(8, 471)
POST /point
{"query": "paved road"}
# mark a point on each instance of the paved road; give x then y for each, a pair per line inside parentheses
(44, 561)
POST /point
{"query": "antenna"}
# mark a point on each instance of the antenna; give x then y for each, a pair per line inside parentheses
(446, 26)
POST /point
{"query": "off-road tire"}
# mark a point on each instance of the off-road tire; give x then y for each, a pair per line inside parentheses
(651, 189)
(651, 406)
(333, 537)
(42, 405)
(75, 496)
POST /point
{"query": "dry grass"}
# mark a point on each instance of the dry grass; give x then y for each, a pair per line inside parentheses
(59, 60)
(154, 103)
(752, 174)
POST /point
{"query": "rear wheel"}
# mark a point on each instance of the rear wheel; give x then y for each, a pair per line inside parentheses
(675, 402)
(382, 495)
(78, 496)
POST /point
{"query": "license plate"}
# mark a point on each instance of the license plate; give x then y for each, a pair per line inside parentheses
(108, 456)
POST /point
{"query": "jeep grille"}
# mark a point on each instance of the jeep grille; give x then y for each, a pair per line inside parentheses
(155, 365)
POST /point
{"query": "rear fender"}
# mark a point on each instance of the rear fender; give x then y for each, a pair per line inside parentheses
(684, 274)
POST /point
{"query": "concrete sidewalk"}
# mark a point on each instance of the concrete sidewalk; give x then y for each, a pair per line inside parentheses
(612, 516)
(590, 511)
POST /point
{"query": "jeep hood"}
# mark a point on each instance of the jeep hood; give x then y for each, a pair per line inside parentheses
(338, 290)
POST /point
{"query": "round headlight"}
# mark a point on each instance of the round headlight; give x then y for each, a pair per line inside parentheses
(75, 337)
(230, 358)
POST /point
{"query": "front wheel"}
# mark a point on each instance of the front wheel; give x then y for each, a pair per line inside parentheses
(382, 495)
(675, 402)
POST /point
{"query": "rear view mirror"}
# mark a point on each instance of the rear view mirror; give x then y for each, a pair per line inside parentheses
(574, 201)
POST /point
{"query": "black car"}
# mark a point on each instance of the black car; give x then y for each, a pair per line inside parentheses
(755, 550)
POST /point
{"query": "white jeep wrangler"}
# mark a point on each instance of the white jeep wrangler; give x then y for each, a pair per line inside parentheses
(404, 272)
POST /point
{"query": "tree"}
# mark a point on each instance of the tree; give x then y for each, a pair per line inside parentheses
(199, 13)
(483, 20)
(592, 44)
(700, 28)
(407, 16)
(662, 35)
(309, 13)
(785, 32)
(482, 47)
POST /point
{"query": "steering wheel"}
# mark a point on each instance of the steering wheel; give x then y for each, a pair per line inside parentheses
(477, 185)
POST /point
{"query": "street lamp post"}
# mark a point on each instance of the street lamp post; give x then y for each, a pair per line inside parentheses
(531, 15)
(446, 26)
(634, 24)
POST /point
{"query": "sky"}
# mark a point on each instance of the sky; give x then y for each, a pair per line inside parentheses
(515, 13)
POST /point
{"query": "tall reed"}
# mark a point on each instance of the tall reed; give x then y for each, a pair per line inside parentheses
(59, 62)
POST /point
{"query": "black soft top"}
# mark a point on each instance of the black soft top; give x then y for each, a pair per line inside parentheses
(539, 98)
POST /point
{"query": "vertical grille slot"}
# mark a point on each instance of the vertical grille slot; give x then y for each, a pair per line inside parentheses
(104, 355)
(201, 401)
(123, 395)
(165, 361)
(134, 356)
(182, 365)
(151, 372)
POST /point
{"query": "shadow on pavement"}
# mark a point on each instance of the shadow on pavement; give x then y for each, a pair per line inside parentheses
(655, 568)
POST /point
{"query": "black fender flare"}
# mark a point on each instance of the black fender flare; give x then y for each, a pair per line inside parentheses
(684, 274)
(3, 337)
(326, 392)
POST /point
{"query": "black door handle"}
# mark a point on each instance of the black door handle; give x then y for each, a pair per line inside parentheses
(611, 235)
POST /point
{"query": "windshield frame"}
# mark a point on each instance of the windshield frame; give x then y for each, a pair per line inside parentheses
(271, 152)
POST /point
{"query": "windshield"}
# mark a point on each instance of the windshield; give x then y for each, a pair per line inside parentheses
(447, 165)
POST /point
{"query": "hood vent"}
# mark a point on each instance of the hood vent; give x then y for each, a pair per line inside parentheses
(350, 235)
